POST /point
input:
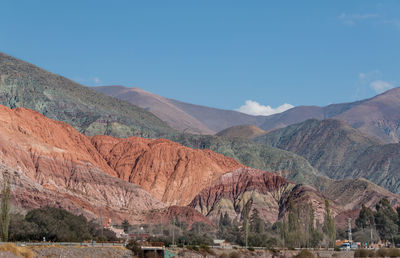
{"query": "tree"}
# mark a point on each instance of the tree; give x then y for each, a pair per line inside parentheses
(224, 220)
(398, 217)
(257, 225)
(5, 208)
(22, 230)
(329, 225)
(126, 225)
(365, 218)
(386, 220)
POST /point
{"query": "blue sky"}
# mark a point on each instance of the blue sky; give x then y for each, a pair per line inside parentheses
(214, 53)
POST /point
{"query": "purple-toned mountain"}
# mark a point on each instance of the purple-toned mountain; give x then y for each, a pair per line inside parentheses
(179, 115)
(271, 194)
(378, 116)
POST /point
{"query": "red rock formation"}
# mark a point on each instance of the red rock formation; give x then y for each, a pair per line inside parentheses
(171, 172)
(267, 192)
(49, 162)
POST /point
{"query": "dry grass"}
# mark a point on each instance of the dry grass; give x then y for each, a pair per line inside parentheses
(17, 250)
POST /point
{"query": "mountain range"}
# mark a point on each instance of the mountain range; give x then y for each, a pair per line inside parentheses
(340, 151)
(25, 85)
(50, 163)
(377, 116)
(138, 156)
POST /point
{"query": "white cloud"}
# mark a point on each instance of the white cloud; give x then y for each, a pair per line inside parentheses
(380, 86)
(96, 80)
(256, 109)
(352, 19)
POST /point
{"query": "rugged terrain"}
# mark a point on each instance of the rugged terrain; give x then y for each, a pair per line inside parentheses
(25, 85)
(50, 163)
(252, 189)
(340, 151)
(47, 159)
(169, 171)
(271, 195)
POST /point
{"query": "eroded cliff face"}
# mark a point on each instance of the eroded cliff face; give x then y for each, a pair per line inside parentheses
(267, 192)
(50, 163)
(169, 171)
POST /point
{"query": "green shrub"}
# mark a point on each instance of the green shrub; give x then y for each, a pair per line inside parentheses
(251, 249)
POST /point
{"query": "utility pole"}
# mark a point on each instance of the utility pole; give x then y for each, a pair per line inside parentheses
(349, 230)
(101, 224)
(247, 231)
(371, 237)
(173, 231)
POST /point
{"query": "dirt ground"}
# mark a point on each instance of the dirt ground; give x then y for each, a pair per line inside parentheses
(73, 252)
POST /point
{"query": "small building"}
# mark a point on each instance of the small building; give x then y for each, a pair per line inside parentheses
(222, 243)
(119, 232)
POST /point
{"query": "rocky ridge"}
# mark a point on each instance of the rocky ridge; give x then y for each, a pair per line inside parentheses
(339, 151)
(50, 163)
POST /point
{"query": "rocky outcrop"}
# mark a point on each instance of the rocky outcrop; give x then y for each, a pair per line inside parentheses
(169, 171)
(267, 192)
(272, 196)
(49, 162)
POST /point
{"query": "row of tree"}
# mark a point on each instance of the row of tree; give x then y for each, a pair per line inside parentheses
(385, 221)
